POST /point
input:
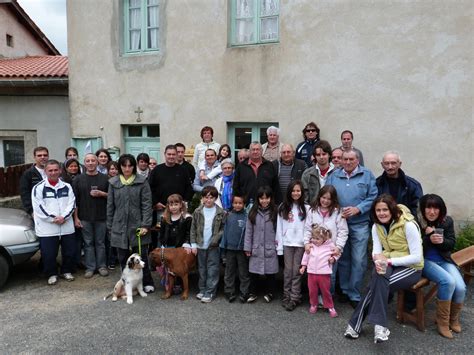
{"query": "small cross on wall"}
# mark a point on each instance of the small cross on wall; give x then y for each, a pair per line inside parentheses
(138, 111)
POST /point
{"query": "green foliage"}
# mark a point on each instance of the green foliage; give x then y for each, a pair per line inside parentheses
(195, 202)
(465, 237)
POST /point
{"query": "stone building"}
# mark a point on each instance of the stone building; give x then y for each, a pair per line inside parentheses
(147, 73)
(34, 107)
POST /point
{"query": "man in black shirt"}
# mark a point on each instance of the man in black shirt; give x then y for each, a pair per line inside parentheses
(180, 150)
(253, 173)
(91, 213)
(393, 181)
(167, 179)
(32, 176)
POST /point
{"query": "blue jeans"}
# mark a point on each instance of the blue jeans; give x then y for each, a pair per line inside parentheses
(93, 234)
(49, 251)
(353, 262)
(208, 268)
(451, 286)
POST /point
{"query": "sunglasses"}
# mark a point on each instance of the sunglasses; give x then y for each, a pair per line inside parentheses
(310, 130)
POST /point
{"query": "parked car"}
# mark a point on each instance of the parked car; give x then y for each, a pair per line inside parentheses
(18, 241)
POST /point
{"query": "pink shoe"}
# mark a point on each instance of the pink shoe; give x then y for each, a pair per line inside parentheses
(313, 309)
(332, 313)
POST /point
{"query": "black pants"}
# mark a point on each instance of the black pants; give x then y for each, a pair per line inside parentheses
(123, 255)
(236, 264)
(49, 251)
(375, 303)
(265, 282)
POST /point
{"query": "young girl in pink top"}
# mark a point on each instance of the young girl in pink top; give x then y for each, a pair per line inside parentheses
(318, 262)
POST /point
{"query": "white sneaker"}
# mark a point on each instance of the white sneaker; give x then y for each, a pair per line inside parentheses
(251, 298)
(149, 289)
(200, 295)
(351, 333)
(380, 334)
(53, 280)
(68, 276)
(207, 299)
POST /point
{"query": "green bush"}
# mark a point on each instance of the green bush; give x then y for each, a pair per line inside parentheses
(465, 237)
(195, 202)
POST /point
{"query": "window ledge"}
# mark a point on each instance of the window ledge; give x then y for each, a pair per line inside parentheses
(252, 44)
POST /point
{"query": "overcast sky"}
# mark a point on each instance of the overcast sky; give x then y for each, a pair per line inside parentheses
(50, 17)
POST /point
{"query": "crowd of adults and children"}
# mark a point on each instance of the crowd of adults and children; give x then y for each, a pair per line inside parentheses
(312, 208)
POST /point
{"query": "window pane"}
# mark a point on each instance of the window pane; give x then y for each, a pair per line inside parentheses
(135, 131)
(153, 16)
(135, 3)
(269, 29)
(269, 7)
(152, 2)
(153, 131)
(135, 19)
(244, 31)
(135, 40)
(152, 38)
(263, 135)
(243, 137)
(135, 27)
(244, 8)
(13, 152)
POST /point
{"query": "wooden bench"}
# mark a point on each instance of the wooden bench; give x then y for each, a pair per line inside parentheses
(463, 258)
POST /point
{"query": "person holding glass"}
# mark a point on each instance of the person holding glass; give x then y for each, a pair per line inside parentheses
(438, 242)
(398, 258)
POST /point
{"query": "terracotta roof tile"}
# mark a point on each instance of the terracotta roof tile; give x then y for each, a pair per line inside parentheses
(34, 67)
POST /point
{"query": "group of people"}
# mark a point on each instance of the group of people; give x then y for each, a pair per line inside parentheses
(314, 205)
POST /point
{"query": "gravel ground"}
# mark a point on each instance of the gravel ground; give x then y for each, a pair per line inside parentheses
(72, 317)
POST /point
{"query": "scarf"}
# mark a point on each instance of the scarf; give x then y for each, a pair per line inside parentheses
(128, 181)
(226, 197)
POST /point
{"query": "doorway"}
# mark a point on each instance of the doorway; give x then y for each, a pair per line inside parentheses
(241, 134)
(142, 139)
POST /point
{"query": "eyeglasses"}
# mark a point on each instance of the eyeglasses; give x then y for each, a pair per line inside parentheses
(311, 130)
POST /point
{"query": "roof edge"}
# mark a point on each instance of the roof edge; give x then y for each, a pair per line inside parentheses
(33, 82)
(31, 26)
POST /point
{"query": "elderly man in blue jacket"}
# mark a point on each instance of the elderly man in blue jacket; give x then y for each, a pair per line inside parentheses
(356, 191)
(393, 181)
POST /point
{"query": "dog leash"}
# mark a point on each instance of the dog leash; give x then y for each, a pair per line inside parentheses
(138, 235)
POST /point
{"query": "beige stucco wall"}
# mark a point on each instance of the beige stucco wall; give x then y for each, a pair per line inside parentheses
(397, 73)
(43, 120)
(23, 41)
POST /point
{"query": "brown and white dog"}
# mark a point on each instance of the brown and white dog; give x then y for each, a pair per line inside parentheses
(179, 263)
(131, 281)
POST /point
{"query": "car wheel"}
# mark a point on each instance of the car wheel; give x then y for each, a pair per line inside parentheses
(4, 270)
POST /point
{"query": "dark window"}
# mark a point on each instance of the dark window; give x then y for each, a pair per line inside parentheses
(153, 131)
(9, 40)
(14, 152)
(243, 138)
(134, 131)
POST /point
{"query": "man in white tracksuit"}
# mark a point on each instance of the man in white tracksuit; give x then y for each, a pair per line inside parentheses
(53, 206)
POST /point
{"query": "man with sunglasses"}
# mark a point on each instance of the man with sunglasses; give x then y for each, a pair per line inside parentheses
(304, 150)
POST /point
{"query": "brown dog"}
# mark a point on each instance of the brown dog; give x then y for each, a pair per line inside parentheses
(179, 263)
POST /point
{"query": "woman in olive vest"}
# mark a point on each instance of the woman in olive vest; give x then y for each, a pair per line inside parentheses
(438, 241)
(398, 258)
